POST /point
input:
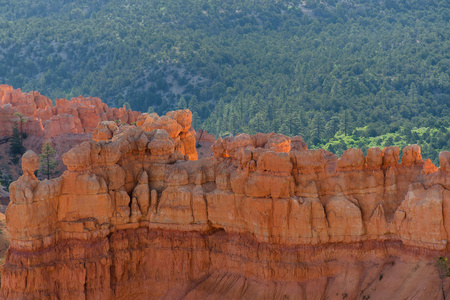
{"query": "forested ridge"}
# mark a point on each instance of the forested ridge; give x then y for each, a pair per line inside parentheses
(354, 73)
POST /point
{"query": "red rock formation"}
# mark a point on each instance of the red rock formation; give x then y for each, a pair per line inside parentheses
(265, 217)
(79, 115)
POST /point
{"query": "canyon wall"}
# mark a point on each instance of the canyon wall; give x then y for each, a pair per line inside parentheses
(136, 216)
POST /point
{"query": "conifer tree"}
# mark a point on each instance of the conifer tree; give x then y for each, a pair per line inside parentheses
(196, 122)
(317, 128)
(296, 124)
(332, 126)
(336, 90)
(413, 94)
(233, 121)
(47, 161)
(20, 122)
(193, 104)
(285, 127)
(345, 122)
(16, 146)
(181, 103)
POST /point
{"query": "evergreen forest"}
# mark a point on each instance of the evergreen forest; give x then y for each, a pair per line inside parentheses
(340, 73)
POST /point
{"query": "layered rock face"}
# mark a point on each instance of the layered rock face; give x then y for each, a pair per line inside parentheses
(42, 119)
(136, 216)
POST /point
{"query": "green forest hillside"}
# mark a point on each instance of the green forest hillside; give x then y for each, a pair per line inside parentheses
(339, 73)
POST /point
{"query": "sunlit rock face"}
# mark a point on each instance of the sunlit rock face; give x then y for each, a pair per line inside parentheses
(137, 216)
(42, 119)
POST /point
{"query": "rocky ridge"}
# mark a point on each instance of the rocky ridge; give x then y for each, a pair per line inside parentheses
(137, 216)
(42, 119)
(65, 124)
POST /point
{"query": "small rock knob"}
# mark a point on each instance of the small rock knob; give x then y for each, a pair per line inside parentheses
(30, 163)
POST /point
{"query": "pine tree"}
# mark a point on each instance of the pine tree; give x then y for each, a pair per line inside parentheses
(196, 122)
(181, 103)
(47, 161)
(285, 127)
(296, 125)
(413, 94)
(193, 104)
(257, 123)
(317, 128)
(336, 90)
(332, 126)
(16, 148)
(20, 123)
(345, 122)
(241, 110)
(233, 125)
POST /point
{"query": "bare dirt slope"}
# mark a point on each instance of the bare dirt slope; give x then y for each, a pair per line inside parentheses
(391, 279)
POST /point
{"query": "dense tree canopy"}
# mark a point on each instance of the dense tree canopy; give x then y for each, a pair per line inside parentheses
(327, 70)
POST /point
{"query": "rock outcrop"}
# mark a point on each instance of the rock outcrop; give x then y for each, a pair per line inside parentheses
(64, 125)
(42, 119)
(136, 216)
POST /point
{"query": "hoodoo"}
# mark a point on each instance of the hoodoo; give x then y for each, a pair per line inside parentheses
(137, 216)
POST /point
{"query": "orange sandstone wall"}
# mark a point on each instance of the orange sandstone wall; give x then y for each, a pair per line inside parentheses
(136, 216)
(79, 115)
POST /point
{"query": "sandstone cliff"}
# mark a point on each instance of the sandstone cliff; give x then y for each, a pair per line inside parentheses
(79, 115)
(65, 124)
(135, 218)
